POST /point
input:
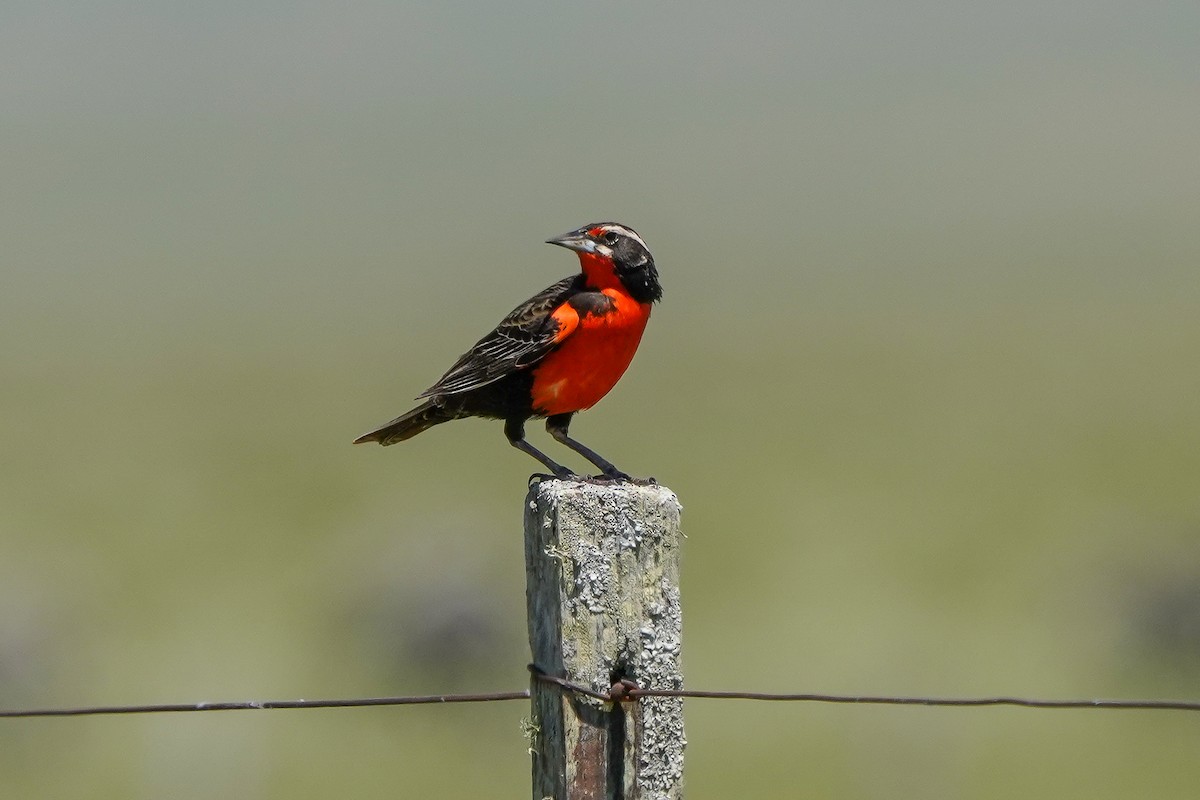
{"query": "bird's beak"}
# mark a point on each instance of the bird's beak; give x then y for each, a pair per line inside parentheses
(575, 240)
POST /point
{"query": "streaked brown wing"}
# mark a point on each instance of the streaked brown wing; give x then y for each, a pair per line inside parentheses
(522, 338)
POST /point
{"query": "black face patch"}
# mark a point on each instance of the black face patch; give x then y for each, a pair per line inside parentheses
(628, 252)
(594, 303)
(635, 266)
(642, 282)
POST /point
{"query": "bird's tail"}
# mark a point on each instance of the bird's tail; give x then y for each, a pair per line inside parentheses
(423, 416)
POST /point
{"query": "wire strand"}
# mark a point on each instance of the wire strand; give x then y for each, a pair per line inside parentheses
(624, 691)
(247, 705)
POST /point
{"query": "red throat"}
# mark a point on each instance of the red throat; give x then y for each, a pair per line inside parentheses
(600, 271)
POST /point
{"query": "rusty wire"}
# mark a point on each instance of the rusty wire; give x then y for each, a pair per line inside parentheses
(623, 691)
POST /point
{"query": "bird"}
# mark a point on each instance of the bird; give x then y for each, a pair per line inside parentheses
(554, 355)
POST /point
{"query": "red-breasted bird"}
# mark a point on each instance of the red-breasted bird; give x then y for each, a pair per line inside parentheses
(557, 353)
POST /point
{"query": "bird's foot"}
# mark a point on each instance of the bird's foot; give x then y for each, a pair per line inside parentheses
(560, 475)
(621, 477)
(616, 476)
(613, 475)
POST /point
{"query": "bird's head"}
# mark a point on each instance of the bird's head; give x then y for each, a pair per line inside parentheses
(608, 249)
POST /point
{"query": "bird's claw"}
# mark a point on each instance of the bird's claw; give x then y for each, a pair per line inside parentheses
(564, 475)
(614, 475)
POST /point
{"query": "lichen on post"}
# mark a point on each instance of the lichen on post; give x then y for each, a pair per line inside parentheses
(602, 563)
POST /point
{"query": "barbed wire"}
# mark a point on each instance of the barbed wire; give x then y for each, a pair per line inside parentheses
(622, 691)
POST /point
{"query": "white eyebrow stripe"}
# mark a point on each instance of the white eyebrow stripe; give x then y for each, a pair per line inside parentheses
(627, 232)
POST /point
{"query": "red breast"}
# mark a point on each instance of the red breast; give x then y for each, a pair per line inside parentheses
(593, 357)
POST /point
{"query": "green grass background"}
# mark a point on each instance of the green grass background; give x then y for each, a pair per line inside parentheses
(925, 379)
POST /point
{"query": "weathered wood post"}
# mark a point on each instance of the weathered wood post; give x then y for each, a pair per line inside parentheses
(602, 563)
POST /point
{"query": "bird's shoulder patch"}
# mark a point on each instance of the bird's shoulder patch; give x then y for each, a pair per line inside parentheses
(592, 303)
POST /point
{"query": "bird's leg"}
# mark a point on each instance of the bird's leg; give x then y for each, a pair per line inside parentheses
(557, 427)
(514, 429)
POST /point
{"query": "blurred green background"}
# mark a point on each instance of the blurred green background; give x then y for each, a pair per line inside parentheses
(925, 379)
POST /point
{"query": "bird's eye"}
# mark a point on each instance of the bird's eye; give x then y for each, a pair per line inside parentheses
(609, 238)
